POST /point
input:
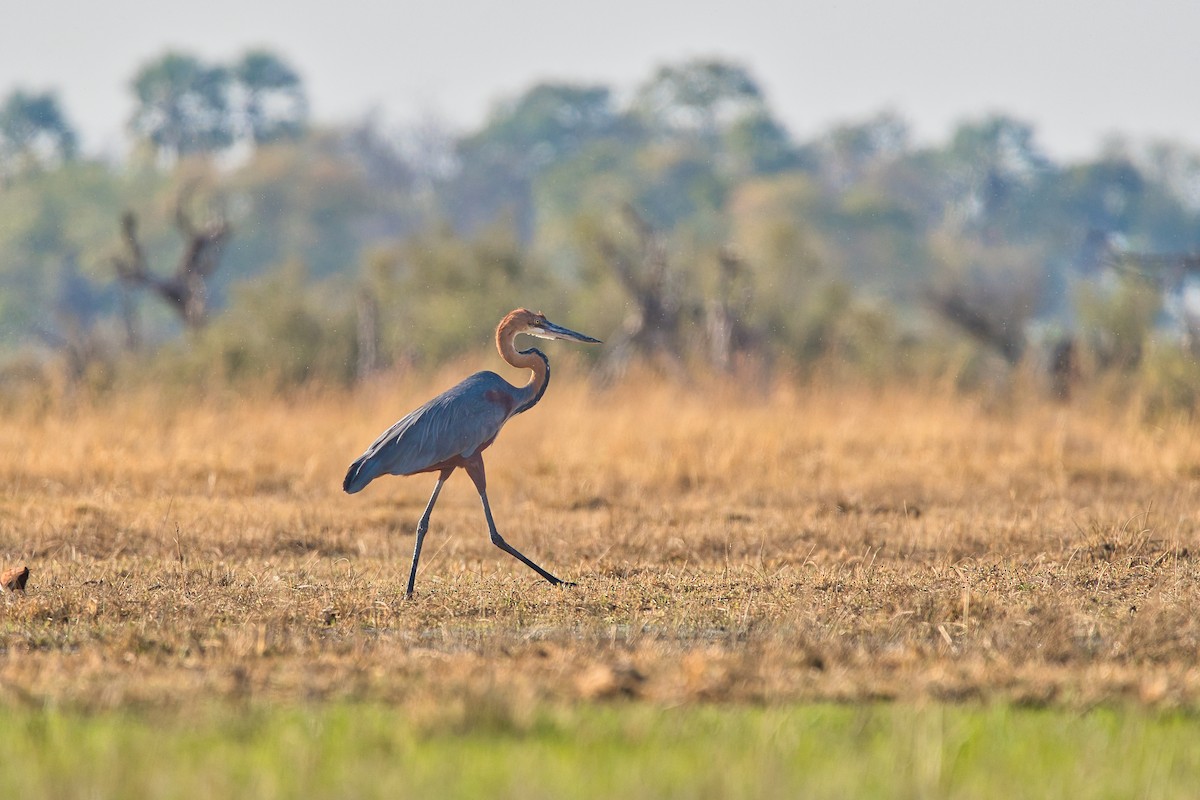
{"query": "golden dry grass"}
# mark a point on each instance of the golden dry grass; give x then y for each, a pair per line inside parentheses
(832, 543)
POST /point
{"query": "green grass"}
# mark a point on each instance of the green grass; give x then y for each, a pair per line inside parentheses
(624, 750)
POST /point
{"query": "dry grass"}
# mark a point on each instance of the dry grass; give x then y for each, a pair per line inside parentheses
(833, 544)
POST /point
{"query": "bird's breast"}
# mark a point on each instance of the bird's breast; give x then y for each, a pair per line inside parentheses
(500, 398)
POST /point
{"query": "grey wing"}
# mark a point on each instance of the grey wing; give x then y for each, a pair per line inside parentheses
(452, 425)
(457, 422)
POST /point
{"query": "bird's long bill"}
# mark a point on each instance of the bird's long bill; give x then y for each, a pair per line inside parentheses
(552, 331)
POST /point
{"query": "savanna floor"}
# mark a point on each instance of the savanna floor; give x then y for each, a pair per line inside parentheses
(802, 545)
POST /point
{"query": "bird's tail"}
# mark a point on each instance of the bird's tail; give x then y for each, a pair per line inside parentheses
(356, 477)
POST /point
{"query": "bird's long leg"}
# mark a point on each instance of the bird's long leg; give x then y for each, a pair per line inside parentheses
(474, 468)
(423, 527)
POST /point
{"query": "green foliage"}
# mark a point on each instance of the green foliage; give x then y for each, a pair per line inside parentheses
(441, 294)
(272, 104)
(304, 200)
(758, 145)
(523, 139)
(1003, 282)
(843, 238)
(185, 106)
(51, 219)
(701, 97)
(33, 130)
(1170, 379)
(1117, 319)
(850, 153)
(547, 124)
(281, 329)
(1104, 194)
(677, 184)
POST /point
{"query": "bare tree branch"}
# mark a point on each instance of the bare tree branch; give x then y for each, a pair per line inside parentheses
(728, 332)
(186, 290)
(954, 306)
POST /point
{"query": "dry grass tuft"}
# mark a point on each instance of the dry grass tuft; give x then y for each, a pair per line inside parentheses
(809, 544)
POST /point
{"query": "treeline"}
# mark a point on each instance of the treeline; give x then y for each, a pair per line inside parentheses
(681, 221)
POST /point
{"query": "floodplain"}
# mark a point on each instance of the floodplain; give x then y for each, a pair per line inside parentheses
(802, 563)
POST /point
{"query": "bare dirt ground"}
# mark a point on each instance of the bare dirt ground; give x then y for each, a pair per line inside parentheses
(843, 544)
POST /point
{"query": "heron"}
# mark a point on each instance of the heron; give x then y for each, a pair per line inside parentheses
(453, 429)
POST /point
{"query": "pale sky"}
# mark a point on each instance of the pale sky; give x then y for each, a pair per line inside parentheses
(1079, 70)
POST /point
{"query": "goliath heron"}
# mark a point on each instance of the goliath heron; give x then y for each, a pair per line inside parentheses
(453, 429)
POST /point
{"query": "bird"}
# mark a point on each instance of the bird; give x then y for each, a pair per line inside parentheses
(453, 429)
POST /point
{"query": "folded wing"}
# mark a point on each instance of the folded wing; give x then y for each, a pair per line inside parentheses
(456, 424)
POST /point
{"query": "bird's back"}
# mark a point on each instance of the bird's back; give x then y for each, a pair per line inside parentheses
(456, 424)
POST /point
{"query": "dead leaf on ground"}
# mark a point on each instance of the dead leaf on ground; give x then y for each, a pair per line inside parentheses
(14, 578)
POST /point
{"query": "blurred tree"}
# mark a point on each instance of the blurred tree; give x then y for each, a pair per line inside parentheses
(548, 123)
(829, 239)
(802, 303)
(759, 145)
(71, 328)
(1102, 195)
(444, 292)
(1116, 320)
(182, 106)
(283, 328)
(428, 148)
(33, 130)
(730, 320)
(1175, 168)
(992, 166)
(988, 292)
(498, 164)
(704, 126)
(702, 97)
(774, 226)
(660, 306)
(678, 185)
(848, 153)
(312, 199)
(50, 216)
(270, 100)
(382, 163)
(186, 290)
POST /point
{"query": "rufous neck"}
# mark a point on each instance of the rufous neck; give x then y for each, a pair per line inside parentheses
(531, 359)
(506, 339)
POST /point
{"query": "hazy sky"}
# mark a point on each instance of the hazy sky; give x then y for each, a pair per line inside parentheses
(1080, 70)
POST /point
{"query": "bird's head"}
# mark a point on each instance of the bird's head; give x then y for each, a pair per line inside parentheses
(535, 324)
